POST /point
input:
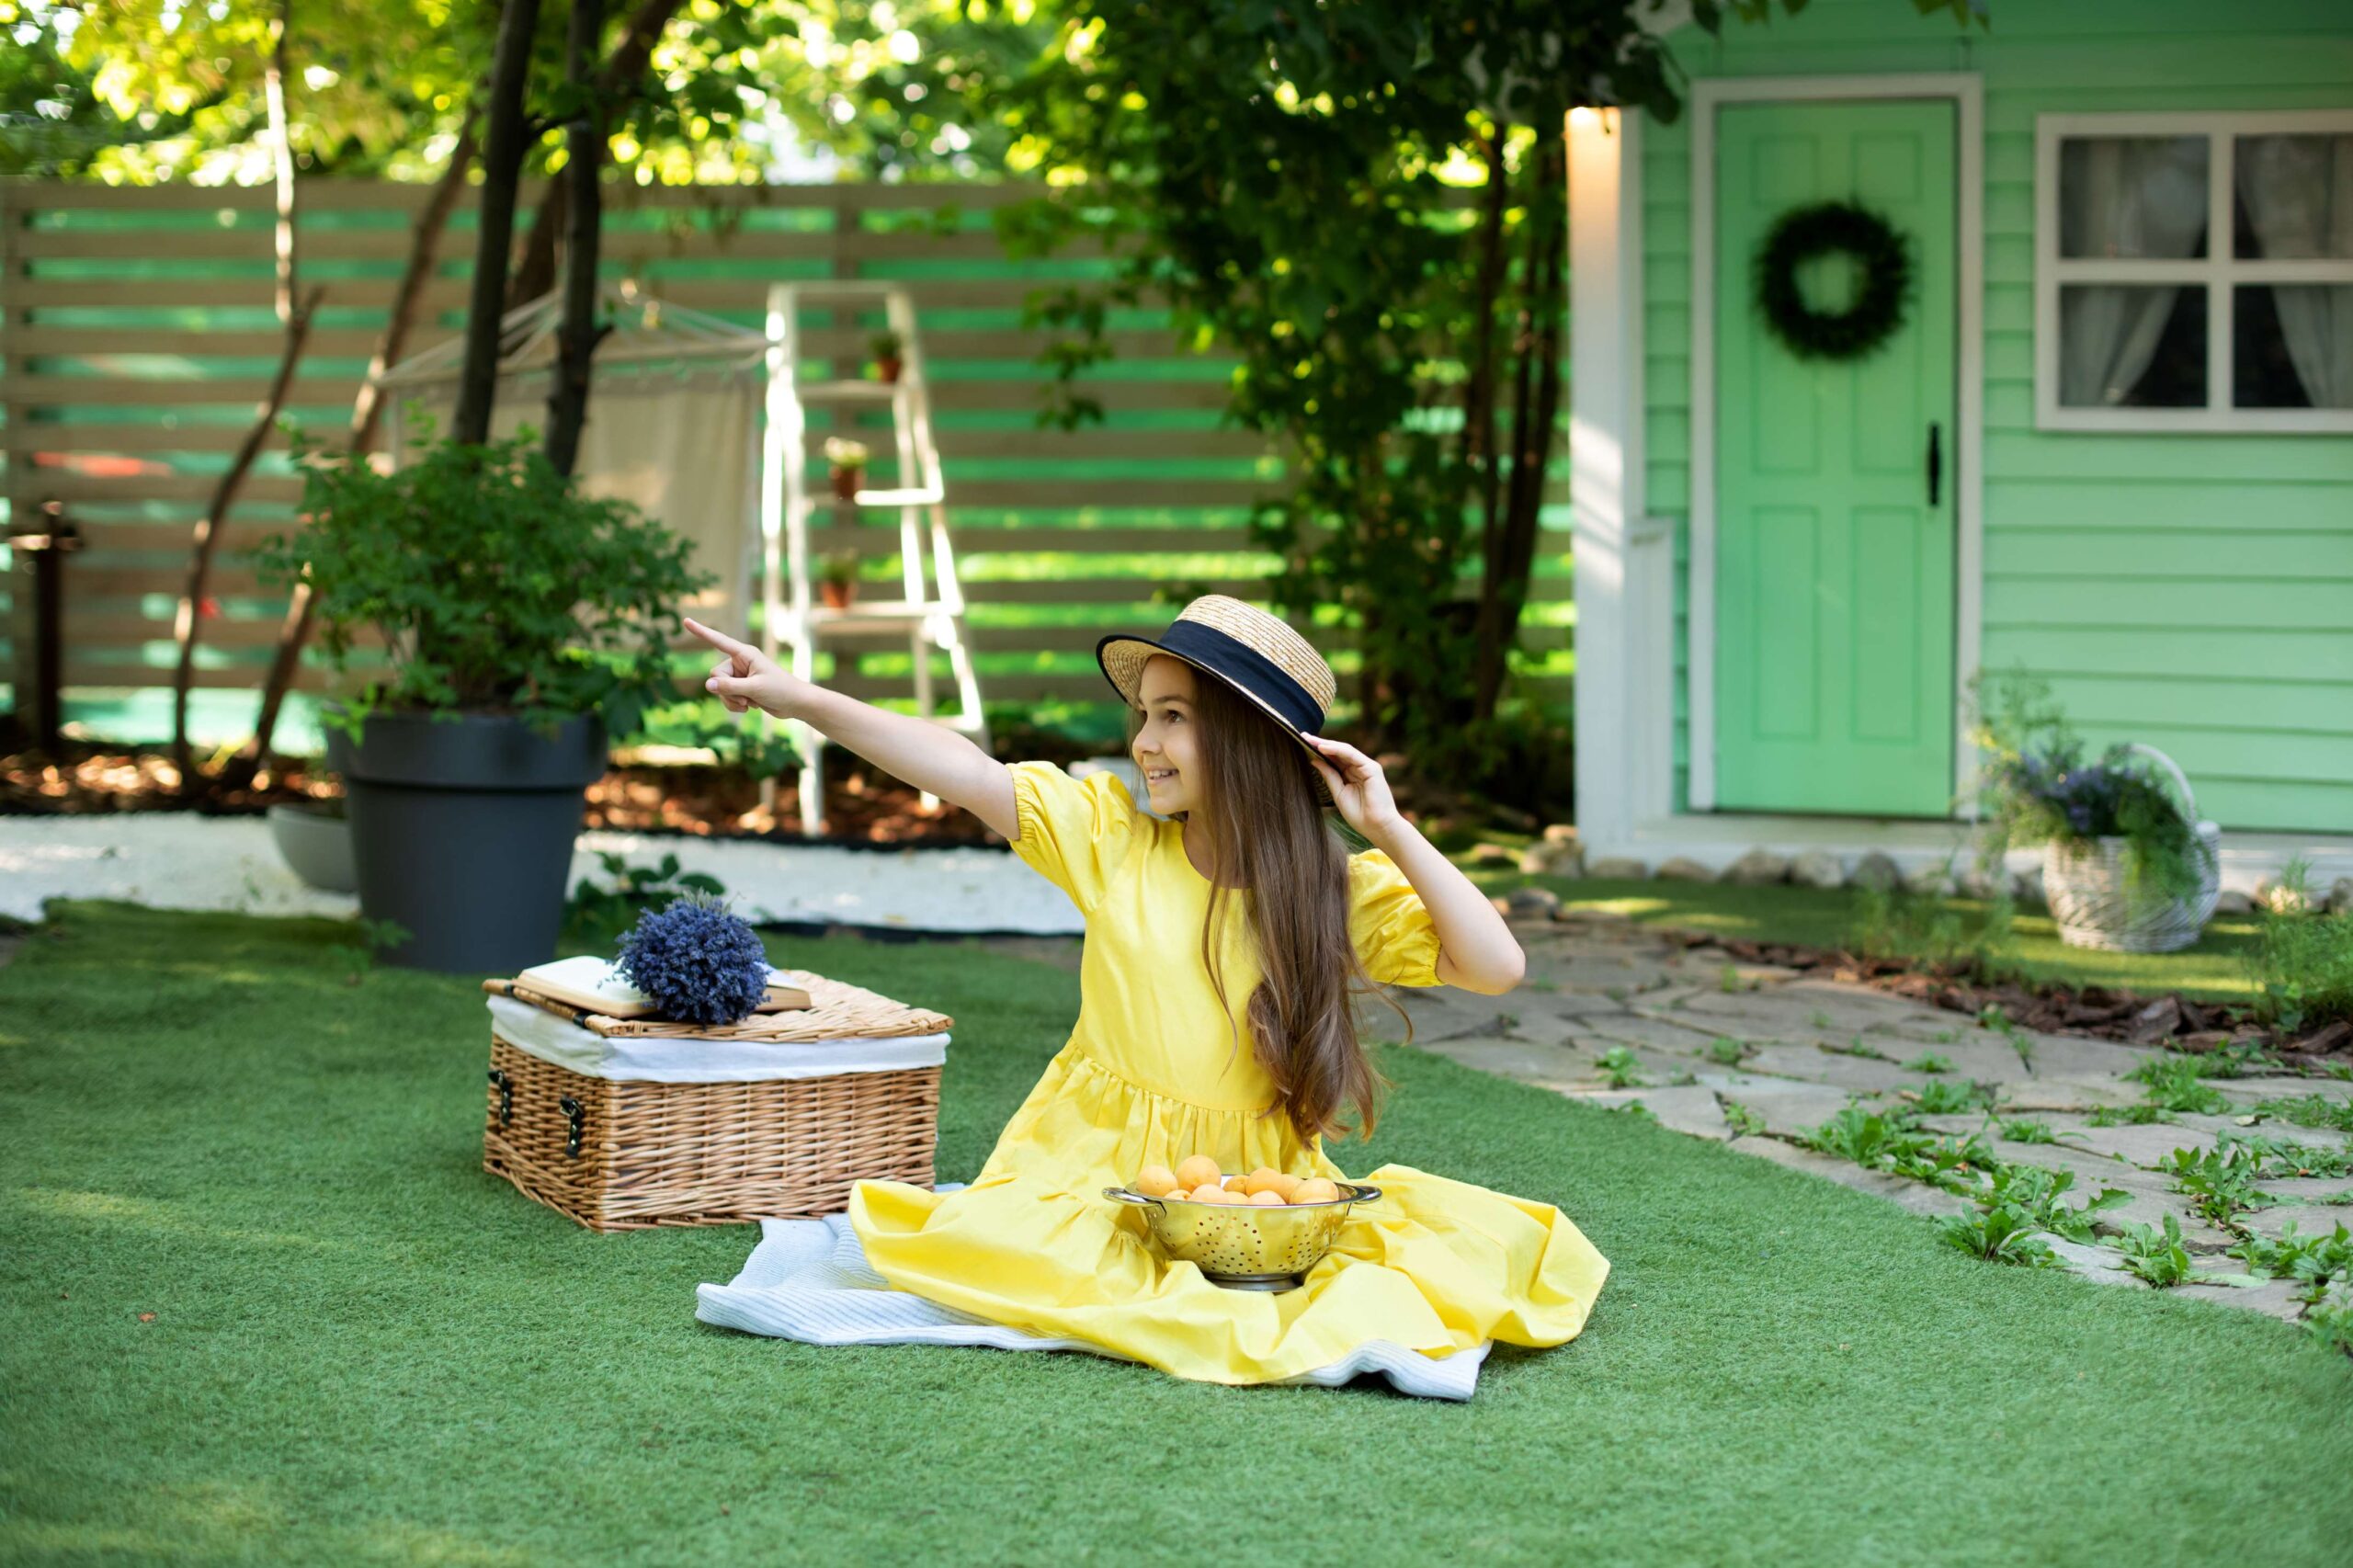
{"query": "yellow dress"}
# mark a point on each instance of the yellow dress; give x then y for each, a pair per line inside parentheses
(1149, 1077)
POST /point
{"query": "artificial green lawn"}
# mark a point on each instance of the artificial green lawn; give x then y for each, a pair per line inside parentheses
(364, 1349)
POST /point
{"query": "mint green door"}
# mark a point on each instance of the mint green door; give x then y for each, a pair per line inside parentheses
(1835, 532)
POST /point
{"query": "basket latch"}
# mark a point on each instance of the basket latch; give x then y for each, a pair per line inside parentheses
(576, 1116)
(498, 1076)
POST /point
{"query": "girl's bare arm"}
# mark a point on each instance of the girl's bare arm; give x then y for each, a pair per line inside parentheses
(1475, 948)
(926, 755)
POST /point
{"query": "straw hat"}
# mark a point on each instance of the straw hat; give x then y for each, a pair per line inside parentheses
(1255, 653)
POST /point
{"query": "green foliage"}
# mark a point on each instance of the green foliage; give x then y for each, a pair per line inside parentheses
(634, 890)
(1928, 1062)
(2314, 1262)
(1891, 1141)
(2040, 1192)
(2220, 1182)
(496, 585)
(2154, 1255)
(2312, 1110)
(2302, 965)
(1618, 1065)
(2026, 1131)
(2035, 787)
(1726, 1052)
(2177, 1083)
(2000, 1233)
(1286, 179)
(1743, 1121)
(1947, 1096)
(1924, 928)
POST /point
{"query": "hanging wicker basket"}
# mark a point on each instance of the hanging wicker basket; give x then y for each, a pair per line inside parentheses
(2087, 882)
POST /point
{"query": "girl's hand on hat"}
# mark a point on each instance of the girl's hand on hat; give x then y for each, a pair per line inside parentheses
(1358, 787)
(746, 677)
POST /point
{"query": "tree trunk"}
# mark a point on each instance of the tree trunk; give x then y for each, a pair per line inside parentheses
(1510, 551)
(367, 412)
(1479, 392)
(577, 336)
(215, 519)
(506, 129)
(535, 275)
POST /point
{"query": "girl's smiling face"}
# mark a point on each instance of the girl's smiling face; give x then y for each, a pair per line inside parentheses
(1166, 748)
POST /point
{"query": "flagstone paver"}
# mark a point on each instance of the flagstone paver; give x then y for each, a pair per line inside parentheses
(1810, 1047)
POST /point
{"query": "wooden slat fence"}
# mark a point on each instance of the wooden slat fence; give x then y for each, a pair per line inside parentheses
(136, 335)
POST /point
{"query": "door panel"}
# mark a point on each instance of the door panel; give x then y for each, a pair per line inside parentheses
(1835, 572)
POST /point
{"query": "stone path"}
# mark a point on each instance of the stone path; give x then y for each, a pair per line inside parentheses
(1753, 1056)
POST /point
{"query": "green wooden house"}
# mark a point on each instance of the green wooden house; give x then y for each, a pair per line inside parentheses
(2107, 436)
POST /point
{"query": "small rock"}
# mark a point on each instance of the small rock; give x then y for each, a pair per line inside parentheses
(1559, 833)
(1552, 859)
(1757, 869)
(1532, 903)
(2230, 901)
(1818, 868)
(1876, 872)
(2340, 896)
(1617, 868)
(1683, 868)
(2280, 899)
(2156, 1022)
(1934, 880)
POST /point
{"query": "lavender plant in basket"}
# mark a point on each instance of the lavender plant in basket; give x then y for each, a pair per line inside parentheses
(2036, 786)
(695, 961)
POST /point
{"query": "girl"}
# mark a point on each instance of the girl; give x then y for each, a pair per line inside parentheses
(1226, 940)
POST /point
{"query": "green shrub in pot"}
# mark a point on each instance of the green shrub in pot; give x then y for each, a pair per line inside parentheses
(523, 623)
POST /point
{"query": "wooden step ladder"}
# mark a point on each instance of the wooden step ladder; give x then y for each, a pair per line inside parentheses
(931, 608)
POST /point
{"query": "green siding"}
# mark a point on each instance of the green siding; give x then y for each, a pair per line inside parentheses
(2192, 591)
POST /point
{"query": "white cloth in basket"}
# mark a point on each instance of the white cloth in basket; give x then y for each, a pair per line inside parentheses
(658, 1059)
(808, 1281)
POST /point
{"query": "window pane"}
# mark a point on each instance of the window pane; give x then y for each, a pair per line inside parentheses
(2293, 345)
(2132, 196)
(2294, 197)
(2132, 346)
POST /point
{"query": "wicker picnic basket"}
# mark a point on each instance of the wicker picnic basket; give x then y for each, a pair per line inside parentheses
(2095, 903)
(619, 1150)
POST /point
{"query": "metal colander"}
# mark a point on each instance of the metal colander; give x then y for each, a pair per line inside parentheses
(1247, 1247)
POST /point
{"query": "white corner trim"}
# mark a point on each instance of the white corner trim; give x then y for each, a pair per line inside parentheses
(1966, 89)
(1606, 470)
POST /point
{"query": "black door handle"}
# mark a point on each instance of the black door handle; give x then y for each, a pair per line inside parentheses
(1936, 461)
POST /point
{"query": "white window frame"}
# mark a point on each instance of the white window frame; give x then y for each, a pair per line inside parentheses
(2218, 272)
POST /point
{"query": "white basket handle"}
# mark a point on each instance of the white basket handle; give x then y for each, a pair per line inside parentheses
(2189, 797)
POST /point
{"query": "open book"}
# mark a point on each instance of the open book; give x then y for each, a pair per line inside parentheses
(590, 983)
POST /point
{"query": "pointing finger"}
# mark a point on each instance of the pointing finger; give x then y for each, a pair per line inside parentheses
(743, 652)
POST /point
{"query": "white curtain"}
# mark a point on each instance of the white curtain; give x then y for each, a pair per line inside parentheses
(2141, 197)
(678, 447)
(2299, 195)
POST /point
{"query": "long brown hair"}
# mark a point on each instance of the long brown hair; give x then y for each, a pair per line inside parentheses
(1292, 868)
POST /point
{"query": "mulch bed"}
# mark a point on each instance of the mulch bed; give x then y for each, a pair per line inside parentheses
(863, 806)
(2176, 1023)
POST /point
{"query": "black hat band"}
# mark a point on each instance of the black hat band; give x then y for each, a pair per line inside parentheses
(1240, 663)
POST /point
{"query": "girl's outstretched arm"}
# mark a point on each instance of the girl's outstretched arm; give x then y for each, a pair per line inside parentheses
(1475, 948)
(926, 754)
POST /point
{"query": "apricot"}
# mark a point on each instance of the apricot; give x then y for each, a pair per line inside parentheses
(1197, 1171)
(1267, 1196)
(1157, 1181)
(1316, 1189)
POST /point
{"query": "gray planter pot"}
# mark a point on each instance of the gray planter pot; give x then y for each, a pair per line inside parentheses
(315, 846)
(462, 832)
